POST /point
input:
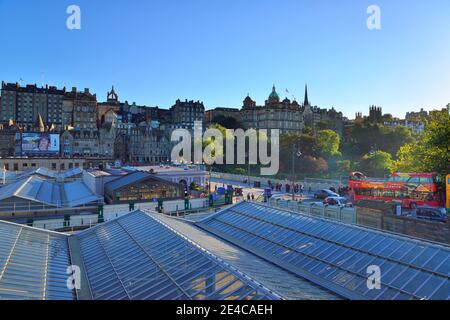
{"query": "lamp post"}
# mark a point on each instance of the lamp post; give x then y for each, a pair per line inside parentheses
(295, 154)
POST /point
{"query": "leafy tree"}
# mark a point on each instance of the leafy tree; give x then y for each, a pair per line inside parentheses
(304, 142)
(395, 138)
(309, 164)
(430, 153)
(227, 122)
(377, 164)
(362, 139)
(240, 171)
(344, 167)
(327, 144)
(387, 117)
(308, 131)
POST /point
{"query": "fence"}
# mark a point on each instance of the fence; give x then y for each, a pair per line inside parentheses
(111, 212)
(315, 184)
(381, 219)
(343, 214)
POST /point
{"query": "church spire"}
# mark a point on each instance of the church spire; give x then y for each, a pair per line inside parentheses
(112, 95)
(306, 102)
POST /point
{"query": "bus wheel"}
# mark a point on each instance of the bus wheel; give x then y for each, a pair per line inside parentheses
(413, 206)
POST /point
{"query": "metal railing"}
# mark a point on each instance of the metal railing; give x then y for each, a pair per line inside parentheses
(342, 214)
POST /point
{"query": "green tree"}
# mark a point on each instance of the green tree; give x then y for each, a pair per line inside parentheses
(377, 164)
(430, 153)
(395, 138)
(344, 167)
(327, 144)
(304, 142)
(362, 139)
(227, 122)
(311, 165)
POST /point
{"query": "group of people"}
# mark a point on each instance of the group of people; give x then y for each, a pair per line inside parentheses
(344, 191)
(298, 188)
(250, 197)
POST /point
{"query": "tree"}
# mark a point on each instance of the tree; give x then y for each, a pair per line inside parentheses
(362, 139)
(430, 153)
(227, 122)
(309, 164)
(395, 138)
(304, 142)
(376, 164)
(344, 167)
(327, 144)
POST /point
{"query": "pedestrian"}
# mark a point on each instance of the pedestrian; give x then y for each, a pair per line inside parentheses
(253, 197)
(248, 196)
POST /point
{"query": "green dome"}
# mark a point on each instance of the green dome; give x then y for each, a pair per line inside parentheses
(274, 94)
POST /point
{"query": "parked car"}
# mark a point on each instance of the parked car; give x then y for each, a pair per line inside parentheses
(325, 193)
(430, 214)
(337, 201)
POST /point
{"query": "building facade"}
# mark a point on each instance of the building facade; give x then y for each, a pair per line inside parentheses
(286, 115)
(289, 116)
(141, 187)
(184, 114)
(31, 105)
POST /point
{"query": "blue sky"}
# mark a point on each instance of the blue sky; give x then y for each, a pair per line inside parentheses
(217, 51)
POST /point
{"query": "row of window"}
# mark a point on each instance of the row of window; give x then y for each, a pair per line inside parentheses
(26, 166)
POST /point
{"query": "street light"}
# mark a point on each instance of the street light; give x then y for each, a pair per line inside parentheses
(295, 154)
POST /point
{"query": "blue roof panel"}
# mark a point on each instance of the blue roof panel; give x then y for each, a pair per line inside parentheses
(335, 255)
(136, 257)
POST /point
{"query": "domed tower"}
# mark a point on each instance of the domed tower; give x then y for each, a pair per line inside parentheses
(274, 98)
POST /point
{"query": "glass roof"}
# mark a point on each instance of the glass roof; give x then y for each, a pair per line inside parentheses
(136, 257)
(335, 255)
(33, 264)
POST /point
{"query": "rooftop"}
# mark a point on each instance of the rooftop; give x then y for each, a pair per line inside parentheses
(56, 194)
(246, 251)
(133, 257)
(337, 256)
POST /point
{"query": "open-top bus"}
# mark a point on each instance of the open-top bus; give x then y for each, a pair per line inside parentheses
(411, 189)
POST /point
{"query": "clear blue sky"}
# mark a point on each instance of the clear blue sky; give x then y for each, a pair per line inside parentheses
(217, 51)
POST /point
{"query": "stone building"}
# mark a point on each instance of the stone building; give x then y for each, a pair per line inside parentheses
(83, 107)
(28, 105)
(147, 145)
(112, 104)
(184, 114)
(7, 139)
(375, 115)
(289, 116)
(284, 115)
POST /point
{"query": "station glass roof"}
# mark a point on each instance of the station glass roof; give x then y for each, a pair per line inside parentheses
(336, 256)
(135, 257)
(33, 264)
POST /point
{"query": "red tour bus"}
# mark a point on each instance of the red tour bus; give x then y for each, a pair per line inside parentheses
(412, 189)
